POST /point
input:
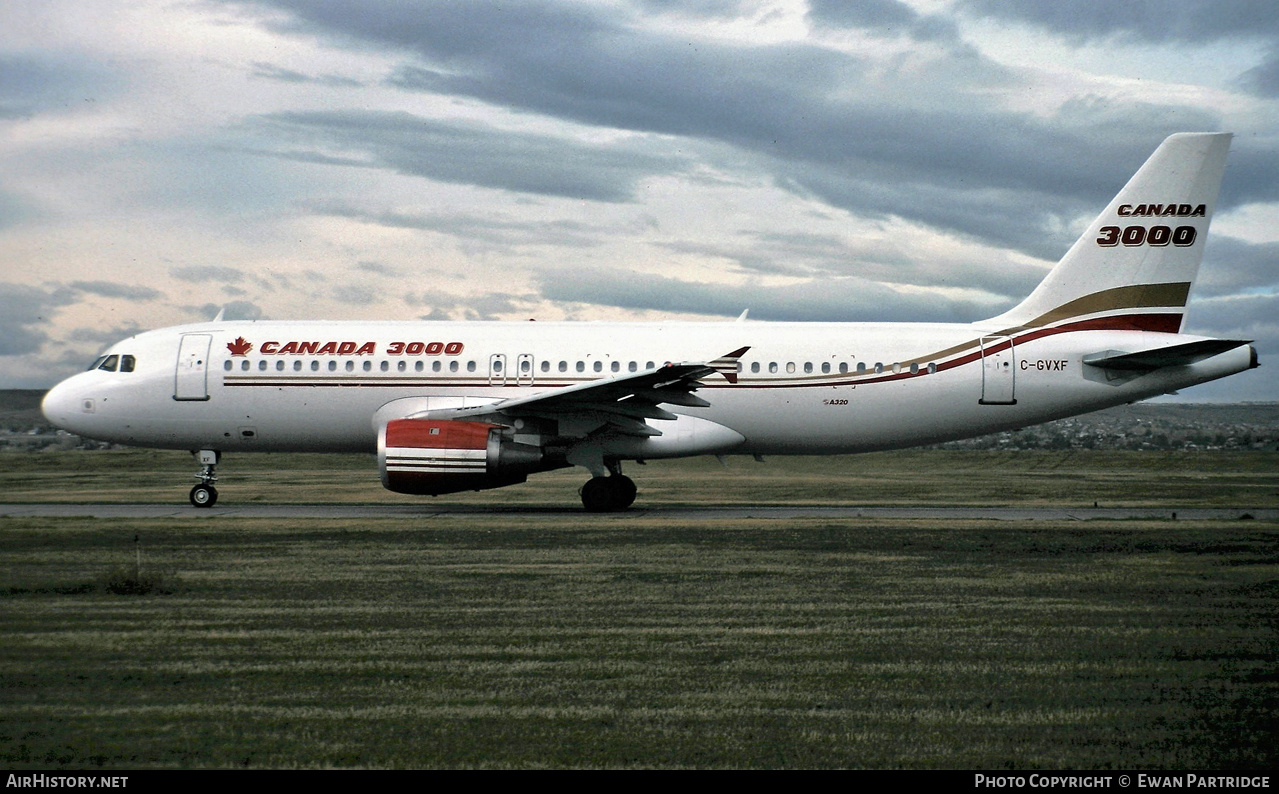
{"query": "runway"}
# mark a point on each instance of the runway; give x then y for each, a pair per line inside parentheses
(427, 511)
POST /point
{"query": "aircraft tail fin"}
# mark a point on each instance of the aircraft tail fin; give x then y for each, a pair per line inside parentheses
(1133, 267)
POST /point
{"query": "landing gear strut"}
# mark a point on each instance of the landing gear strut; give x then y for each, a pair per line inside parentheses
(204, 494)
(608, 494)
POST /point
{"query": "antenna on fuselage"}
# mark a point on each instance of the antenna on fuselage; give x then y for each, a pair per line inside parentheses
(218, 319)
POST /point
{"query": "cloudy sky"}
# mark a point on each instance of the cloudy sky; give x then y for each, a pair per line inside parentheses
(650, 159)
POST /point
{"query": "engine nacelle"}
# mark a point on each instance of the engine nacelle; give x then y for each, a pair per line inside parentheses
(434, 456)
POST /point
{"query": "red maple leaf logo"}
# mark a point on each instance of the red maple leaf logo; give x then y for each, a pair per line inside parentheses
(239, 347)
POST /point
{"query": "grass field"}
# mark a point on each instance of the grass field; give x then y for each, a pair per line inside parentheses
(908, 477)
(539, 640)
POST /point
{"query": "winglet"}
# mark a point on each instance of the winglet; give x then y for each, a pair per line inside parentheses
(726, 365)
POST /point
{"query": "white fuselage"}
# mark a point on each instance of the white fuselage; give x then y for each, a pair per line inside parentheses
(802, 388)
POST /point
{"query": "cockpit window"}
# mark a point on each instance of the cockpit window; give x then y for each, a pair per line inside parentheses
(97, 362)
(127, 363)
(110, 363)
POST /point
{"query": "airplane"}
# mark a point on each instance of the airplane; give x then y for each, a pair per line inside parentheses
(458, 406)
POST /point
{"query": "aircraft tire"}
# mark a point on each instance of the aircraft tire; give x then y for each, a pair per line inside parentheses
(624, 490)
(608, 494)
(204, 496)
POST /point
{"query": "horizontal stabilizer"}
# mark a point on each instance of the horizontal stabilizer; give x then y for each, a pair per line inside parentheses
(1171, 356)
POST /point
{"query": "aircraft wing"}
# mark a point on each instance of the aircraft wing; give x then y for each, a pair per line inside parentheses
(1171, 356)
(622, 403)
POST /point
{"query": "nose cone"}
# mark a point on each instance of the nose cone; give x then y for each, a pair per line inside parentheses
(62, 407)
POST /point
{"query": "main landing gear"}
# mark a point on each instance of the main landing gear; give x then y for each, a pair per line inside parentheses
(204, 494)
(608, 494)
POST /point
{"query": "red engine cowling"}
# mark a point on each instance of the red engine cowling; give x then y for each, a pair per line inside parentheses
(429, 456)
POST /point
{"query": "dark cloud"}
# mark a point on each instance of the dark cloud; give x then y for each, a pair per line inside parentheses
(14, 209)
(269, 71)
(1232, 266)
(470, 153)
(831, 300)
(377, 268)
(31, 83)
(826, 256)
(104, 337)
(1263, 80)
(232, 310)
(24, 311)
(709, 9)
(885, 17)
(926, 144)
(199, 273)
(1155, 21)
(357, 294)
(488, 230)
(445, 306)
(111, 289)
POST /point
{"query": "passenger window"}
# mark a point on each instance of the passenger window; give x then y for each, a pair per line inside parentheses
(333, 366)
(790, 366)
(633, 366)
(825, 367)
(563, 366)
(297, 366)
(350, 366)
(227, 365)
(368, 366)
(526, 365)
(914, 369)
(127, 363)
(932, 369)
(436, 366)
(772, 367)
(262, 365)
(279, 366)
(754, 366)
(581, 366)
(400, 366)
(617, 366)
(843, 367)
(470, 366)
(648, 365)
(599, 366)
(879, 367)
(244, 366)
(315, 366)
(452, 366)
(546, 366)
(861, 367)
(418, 366)
(808, 367)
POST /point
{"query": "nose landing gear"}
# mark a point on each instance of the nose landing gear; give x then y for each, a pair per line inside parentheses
(204, 494)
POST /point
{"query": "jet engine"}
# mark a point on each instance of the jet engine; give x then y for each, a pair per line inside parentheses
(432, 457)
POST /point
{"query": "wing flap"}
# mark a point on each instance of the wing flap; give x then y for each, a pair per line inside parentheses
(621, 403)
